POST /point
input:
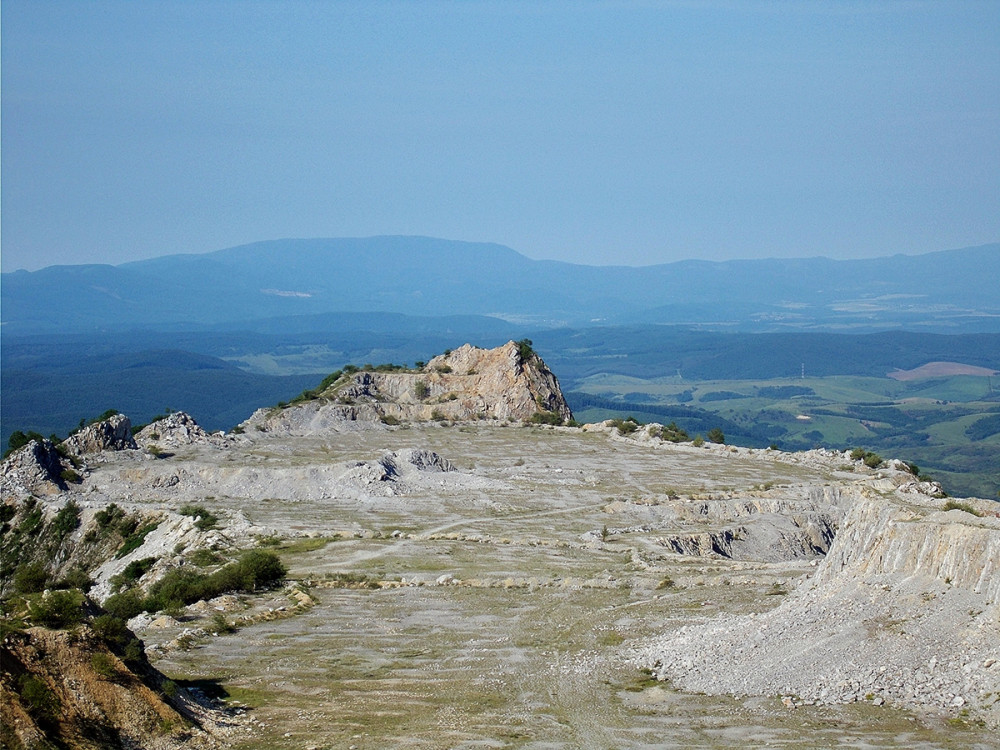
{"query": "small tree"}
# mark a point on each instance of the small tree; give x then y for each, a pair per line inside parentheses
(716, 435)
(30, 578)
(525, 350)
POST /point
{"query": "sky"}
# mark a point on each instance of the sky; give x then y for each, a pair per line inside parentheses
(625, 133)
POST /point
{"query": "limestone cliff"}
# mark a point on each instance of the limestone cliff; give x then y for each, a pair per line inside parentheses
(510, 382)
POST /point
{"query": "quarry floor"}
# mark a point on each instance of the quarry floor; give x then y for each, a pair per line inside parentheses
(513, 593)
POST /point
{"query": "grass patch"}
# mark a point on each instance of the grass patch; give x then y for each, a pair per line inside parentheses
(309, 544)
(643, 681)
(956, 505)
(611, 638)
(353, 580)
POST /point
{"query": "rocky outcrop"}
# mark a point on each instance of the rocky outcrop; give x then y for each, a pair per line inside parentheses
(114, 433)
(903, 610)
(772, 538)
(174, 430)
(34, 468)
(389, 473)
(507, 383)
(400, 462)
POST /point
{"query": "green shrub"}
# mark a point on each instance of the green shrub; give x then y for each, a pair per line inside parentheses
(259, 569)
(30, 578)
(125, 605)
(133, 572)
(329, 380)
(254, 570)
(389, 419)
(76, 577)
(525, 350)
(66, 520)
(57, 609)
(546, 417)
(176, 589)
(221, 625)
(870, 459)
(70, 476)
(698, 441)
(204, 520)
(111, 629)
(20, 439)
(626, 426)
(673, 434)
(109, 517)
(204, 557)
(421, 390)
(103, 664)
(38, 700)
(170, 688)
(31, 524)
(716, 435)
(104, 416)
(354, 580)
(133, 652)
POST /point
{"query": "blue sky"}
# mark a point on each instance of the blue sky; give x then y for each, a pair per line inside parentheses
(595, 132)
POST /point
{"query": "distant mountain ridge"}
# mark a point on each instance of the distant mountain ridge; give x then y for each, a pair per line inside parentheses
(951, 290)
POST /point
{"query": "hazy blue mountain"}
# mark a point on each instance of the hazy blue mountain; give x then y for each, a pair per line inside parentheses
(951, 290)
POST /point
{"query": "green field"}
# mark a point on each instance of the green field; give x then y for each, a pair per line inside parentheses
(948, 426)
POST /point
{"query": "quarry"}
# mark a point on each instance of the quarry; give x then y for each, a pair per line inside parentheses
(465, 569)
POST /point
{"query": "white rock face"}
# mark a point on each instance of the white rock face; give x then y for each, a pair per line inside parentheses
(114, 434)
(175, 430)
(903, 609)
(33, 468)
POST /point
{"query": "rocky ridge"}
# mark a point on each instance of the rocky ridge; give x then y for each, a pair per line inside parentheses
(469, 383)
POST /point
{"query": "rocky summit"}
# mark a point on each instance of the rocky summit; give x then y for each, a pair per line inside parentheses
(507, 383)
(434, 558)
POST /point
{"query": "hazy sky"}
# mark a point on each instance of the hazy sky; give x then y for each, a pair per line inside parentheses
(597, 132)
